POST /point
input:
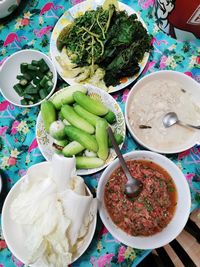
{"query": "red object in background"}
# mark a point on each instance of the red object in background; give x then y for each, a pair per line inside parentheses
(186, 16)
(2, 244)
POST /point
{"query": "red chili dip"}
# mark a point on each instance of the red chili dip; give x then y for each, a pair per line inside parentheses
(152, 210)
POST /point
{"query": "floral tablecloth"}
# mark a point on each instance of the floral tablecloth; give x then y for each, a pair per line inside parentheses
(30, 27)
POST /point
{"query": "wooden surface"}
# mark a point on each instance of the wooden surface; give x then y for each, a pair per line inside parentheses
(188, 243)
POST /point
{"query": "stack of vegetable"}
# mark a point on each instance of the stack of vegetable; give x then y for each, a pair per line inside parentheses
(78, 125)
(107, 38)
(35, 82)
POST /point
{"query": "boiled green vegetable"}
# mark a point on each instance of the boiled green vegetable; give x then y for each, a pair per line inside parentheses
(108, 38)
(35, 80)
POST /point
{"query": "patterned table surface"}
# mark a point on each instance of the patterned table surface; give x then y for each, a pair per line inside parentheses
(30, 27)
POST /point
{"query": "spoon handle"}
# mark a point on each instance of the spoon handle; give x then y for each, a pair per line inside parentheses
(121, 159)
(188, 125)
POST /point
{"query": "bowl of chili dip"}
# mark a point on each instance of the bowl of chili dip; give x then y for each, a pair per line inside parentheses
(158, 214)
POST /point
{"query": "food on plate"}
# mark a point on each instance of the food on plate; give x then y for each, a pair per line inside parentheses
(35, 81)
(73, 118)
(48, 114)
(102, 46)
(118, 139)
(102, 139)
(85, 139)
(78, 125)
(91, 105)
(152, 210)
(57, 130)
(66, 96)
(55, 210)
(88, 162)
(147, 107)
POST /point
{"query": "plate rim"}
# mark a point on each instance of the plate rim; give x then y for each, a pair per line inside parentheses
(100, 91)
(130, 79)
(5, 214)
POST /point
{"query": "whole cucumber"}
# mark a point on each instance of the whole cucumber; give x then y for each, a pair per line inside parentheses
(88, 163)
(110, 117)
(66, 95)
(118, 138)
(72, 149)
(91, 105)
(82, 137)
(48, 114)
(74, 119)
(102, 138)
(88, 116)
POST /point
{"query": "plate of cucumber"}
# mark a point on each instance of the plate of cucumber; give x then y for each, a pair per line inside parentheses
(74, 121)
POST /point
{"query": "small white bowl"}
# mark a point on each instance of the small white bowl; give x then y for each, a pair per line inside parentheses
(11, 68)
(180, 217)
(192, 87)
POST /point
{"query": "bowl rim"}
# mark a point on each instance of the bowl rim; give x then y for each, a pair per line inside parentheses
(106, 218)
(138, 140)
(6, 205)
(55, 75)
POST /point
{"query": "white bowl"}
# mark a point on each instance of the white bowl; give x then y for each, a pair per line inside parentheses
(192, 88)
(15, 234)
(11, 68)
(175, 226)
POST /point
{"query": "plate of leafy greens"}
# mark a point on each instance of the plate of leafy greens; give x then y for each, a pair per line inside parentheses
(102, 43)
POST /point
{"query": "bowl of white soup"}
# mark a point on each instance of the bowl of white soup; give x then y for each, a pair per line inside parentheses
(154, 96)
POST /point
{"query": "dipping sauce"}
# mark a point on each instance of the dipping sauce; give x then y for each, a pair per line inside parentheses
(151, 102)
(152, 210)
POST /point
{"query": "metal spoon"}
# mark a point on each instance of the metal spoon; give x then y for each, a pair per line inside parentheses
(171, 118)
(133, 187)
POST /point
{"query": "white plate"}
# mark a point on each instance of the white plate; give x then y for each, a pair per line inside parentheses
(186, 82)
(15, 234)
(45, 141)
(175, 226)
(67, 18)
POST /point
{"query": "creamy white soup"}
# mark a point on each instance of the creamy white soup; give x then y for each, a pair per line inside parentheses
(148, 106)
